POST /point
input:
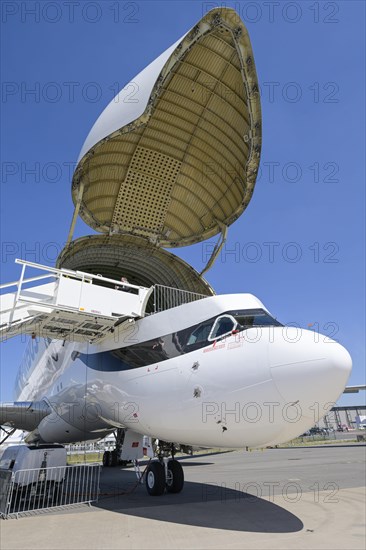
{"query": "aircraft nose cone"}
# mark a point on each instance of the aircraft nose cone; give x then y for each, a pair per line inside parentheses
(311, 370)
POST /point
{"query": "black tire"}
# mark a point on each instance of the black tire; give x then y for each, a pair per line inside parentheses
(155, 479)
(175, 479)
(106, 458)
(113, 458)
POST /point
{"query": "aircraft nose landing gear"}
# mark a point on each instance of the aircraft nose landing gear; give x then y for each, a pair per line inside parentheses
(164, 474)
(155, 478)
(174, 477)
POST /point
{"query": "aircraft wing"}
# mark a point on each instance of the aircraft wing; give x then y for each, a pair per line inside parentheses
(354, 389)
(23, 415)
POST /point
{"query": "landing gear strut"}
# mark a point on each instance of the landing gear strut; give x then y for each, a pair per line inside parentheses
(111, 458)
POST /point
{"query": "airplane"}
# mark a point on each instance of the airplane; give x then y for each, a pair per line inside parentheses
(170, 162)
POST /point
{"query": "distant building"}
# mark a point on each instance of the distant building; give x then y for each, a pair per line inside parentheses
(343, 416)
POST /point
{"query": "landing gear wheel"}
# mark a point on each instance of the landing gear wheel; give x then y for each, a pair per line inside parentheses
(155, 479)
(175, 477)
(113, 459)
(106, 458)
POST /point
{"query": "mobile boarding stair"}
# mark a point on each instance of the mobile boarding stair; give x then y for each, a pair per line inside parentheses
(72, 305)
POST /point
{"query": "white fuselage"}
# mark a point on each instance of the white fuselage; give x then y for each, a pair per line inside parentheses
(253, 387)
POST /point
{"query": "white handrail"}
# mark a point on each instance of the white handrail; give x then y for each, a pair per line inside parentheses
(77, 274)
(73, 292)
(44, 267)
(30, 280)
(107, 280)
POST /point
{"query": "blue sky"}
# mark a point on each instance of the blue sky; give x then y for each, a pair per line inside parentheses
(300, 244)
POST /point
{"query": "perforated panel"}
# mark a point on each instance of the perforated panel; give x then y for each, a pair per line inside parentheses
(144, 196)
(187, 166)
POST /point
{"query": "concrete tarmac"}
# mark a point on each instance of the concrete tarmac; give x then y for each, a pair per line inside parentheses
(303, 498)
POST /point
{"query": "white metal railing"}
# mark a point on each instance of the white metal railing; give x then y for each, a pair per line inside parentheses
(80, 295)
(35, 489)
(166, 297)
(57, 273)
(71, 291)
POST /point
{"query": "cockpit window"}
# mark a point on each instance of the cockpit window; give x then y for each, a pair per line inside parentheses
(223, 326)
(254, 318)
(200, 334)
(168, 346)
